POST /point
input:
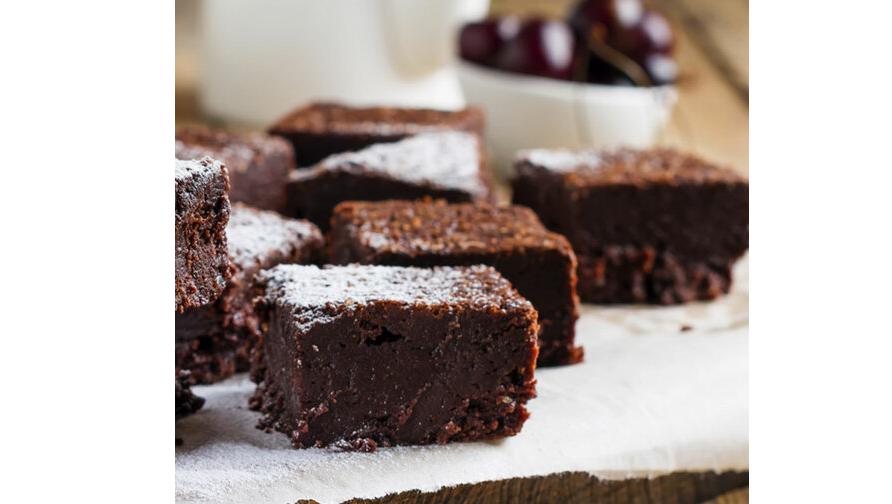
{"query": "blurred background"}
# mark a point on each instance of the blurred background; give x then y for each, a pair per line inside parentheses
(244, 64)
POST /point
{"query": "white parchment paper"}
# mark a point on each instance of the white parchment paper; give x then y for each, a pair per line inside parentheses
(649, 399)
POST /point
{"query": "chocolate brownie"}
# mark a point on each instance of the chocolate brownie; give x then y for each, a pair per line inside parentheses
(652, 226)
(201, 264)
(444, 165)
(538, 263)
(214, 341)
(322, 129)
(186, 402)
(366, 356)
(258, 164)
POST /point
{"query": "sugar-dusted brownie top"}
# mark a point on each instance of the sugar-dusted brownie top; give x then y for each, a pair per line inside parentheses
(238, 149)
(334, 118)
(444, 160)
(256, 236)
(436, 227)
(204, 172)
(199, 182)
(317, 294)
(625, 166)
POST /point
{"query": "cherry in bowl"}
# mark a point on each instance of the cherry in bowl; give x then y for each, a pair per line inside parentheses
(542, 47)
(480, 42)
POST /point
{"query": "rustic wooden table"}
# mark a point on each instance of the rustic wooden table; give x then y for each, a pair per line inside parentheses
(711, 118)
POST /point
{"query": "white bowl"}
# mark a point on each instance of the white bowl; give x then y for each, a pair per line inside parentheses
(528, 112)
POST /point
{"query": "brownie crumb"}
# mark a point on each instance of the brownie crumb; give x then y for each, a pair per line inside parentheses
(187, 403)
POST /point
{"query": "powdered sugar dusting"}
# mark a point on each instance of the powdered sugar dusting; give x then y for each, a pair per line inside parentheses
(561, 160)
(439, 228)
(629, 166)
(254, 234)
(449, 159)
(205, 167)
(314, 294)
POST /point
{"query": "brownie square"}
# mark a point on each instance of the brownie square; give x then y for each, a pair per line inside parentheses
(538, 263)
(652, 226)
(366, 356)
(201, 263)
(445, 165)
(321, 129)
(214, 341)
(258, 164)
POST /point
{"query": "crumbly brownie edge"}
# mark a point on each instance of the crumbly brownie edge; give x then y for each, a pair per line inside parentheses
(186, 402)
(625, 274)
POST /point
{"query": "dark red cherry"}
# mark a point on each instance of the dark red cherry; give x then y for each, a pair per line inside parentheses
(479, 42)
(641, 35)
(542, 47)
(652, 35)
(605, 16)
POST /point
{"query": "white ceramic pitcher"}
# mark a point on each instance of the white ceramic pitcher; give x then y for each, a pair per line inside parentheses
(261, 58)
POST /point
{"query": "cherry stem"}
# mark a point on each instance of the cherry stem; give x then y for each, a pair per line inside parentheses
(614, 58)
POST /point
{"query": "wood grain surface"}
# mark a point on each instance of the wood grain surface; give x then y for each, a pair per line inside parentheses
(582, 488)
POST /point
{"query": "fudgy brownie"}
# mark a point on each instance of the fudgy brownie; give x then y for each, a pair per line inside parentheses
(653, 226)
(214, 341)
(538, 263)
(322, 129)
(186, 402)
(258, 164)
(366, 356)
(201, 263)
(444, 165)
